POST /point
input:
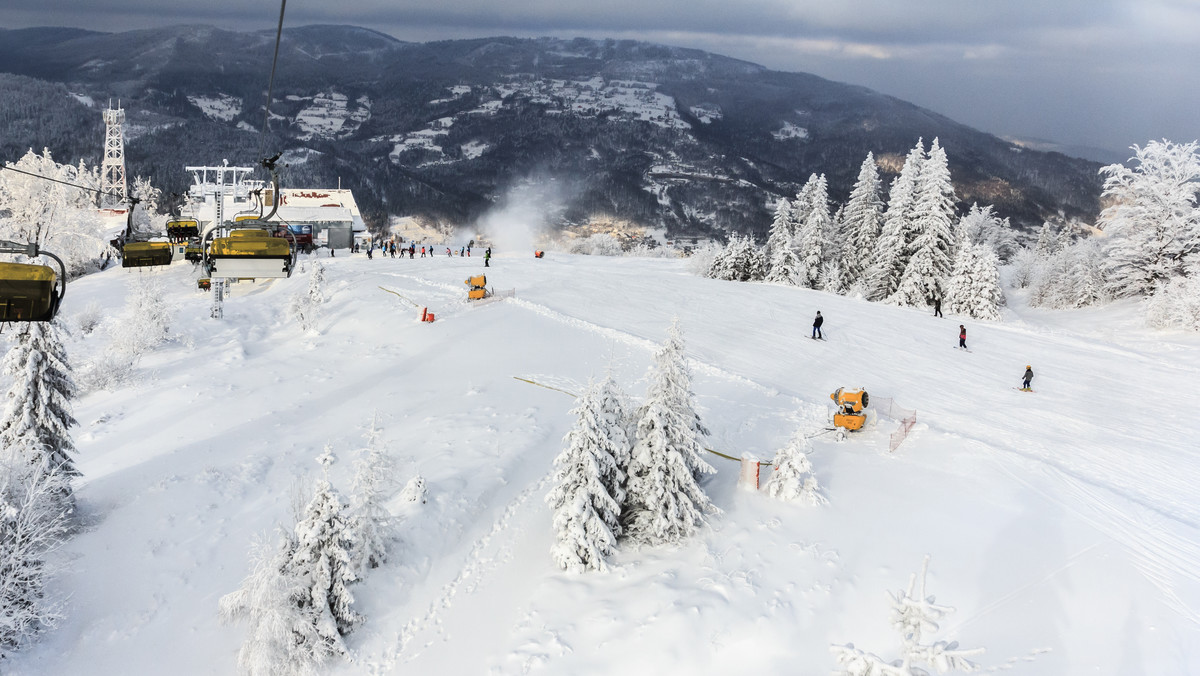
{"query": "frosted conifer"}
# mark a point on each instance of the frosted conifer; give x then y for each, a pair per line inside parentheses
(741, 261)
(33, 522)
(792, 478)
(897, 235)
(914, 615)
(862, 221)
(974, 288)
(37, 412)
(282, 635)
(930, 262)
(1152, 223)
(324, 542)
(664, 502)
(587, 496)
(374, 480)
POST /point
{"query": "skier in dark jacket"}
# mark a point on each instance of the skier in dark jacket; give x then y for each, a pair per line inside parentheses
(937, 306)
(487, 256)
(817, 326)
(1028, 378)
(962, 336)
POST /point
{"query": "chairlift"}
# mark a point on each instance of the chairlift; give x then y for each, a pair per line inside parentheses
(181, 229)
(250, 249)
(143, 254)
(30, 292)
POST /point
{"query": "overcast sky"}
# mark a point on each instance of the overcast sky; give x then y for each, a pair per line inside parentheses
(1104, 73)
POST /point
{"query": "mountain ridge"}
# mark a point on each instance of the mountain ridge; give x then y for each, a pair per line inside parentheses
(670, 137)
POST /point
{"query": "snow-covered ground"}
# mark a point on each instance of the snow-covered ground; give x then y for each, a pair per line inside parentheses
(1063, 525)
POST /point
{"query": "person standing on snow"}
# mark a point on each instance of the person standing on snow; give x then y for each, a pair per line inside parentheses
(962, 336)
(817, 326)
(1028, 379)
(937, 306)
(487, 256)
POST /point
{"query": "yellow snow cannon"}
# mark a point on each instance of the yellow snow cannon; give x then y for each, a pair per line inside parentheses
(478, 290)
(850, 405)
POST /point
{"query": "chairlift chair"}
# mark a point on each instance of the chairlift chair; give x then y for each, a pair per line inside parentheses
(181, 229)
(30, 292)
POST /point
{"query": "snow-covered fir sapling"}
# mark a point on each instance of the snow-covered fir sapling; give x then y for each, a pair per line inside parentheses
(792, 478)
(414, 491)
(305, 306)
(281, 633)
(664, 502)
(33, 522)
(586, 499)
(914, 616)
(37, 409)
(374, 481)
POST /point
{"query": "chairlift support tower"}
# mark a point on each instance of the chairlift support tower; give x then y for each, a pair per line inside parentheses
(112, 176)
(211, 185)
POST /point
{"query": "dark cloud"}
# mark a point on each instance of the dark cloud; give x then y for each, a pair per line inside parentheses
(1098, 72)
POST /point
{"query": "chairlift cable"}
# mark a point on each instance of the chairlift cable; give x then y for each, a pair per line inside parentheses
(271, 83)
(67, 183)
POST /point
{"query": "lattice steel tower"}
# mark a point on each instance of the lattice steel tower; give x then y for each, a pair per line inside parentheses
(112, 177)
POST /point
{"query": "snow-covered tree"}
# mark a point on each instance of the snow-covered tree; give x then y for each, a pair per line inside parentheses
(896, 236)
(282, 633)
(811, 236)
(57, 216)
(742, 261)
(664, 501)
(146, 319)
(374, 481)
(305, 306)
(414, 491)
(1071, 278)
(862, 221)
(974, 288)
(1050, 240)
(932, 247)
(322, 559)
(1153, 223)
(37, 413)
(792, 478)
(914, 616)
(782, 263)
(981, 226)
(1176, 304)
(588, 491)
(33, 522)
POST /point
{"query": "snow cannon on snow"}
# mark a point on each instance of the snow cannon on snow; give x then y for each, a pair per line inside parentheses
(478, 290)
(851, 404)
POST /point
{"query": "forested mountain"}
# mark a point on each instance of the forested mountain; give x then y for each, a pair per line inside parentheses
(677, 138)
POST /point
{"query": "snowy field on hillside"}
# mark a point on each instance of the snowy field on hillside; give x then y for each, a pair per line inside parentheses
(1062, 525)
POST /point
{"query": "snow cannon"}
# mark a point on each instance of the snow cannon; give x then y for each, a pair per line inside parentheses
(850, 403)
(478, 290)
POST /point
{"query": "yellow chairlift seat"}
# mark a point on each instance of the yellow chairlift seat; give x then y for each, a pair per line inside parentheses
(27, 292)
(146, 254)
(194, 252)
(183, 228)
(250, 253)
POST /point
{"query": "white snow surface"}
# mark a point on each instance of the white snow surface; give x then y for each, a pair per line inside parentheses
(1062, 524)
(221, 107)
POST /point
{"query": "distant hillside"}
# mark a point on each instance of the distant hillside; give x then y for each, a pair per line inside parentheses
(676, 138)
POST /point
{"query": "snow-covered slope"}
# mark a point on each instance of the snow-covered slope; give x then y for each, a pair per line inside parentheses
(1062, 525)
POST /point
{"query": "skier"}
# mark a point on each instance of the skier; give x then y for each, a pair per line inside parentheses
(412, 251)
(962, 336)
(487, 256)
(448, 254)
(370, 248)
(1028, 379)
(937, 306)
(817, 326)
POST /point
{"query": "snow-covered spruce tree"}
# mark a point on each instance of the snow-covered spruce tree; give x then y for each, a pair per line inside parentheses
(896, 236)
(792, 478)
(305, 306)
(1050, 240)
(33, 522)
(664, 502)
(1152, 223)
(37, 411)
(282, 632)
(587, 495)
(324, 542)
(1176, 304)
(810, 246)
(374, 481)
(742, 261)
(146, 319)
(862, 221)
(782, 263)
(981, 226)
(914, 614)
(932, 248)
(974, 288)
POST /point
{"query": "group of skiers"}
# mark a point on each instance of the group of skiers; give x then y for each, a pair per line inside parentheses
(937, 312)
(390, 248)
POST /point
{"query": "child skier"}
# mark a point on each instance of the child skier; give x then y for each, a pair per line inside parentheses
(817, 326)
(962, 336)
(1028, 379)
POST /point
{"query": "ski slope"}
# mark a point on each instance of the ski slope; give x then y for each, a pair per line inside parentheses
(1064, 525)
